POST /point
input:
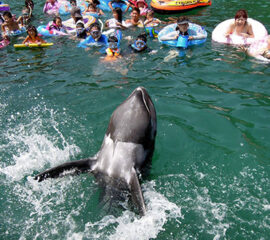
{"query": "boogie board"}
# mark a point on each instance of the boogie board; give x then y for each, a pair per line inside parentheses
(33, 45)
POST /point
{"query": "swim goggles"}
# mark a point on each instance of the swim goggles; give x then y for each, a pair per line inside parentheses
(79, 30)
(95, 33)
(138, 45)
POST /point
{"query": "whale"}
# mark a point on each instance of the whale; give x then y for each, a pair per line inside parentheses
(126, 150)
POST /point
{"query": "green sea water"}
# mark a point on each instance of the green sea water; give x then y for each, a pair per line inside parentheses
(210, 175)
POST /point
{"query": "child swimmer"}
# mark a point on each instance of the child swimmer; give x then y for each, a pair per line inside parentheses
(32, 37)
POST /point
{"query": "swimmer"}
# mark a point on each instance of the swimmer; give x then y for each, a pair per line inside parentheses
(150, 20)
(142, 5)
(181, 30)
(25, 19)
(96, 37)
(10, 24)
(135, 20)
(32, 36)
(81, 31)
(56, 25)
(51, 7)
(260, 48)
(92, 8)
(139, 44)
(30, 5)
(113, 50)
(76, 14)
(119, 2)
(240, 27)
(117, 21)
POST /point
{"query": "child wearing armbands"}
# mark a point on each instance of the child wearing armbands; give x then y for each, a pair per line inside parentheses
(32, 36)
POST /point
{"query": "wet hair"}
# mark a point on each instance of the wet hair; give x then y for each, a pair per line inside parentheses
(92, 5)
(136, 9)
(80, 24)
(33, 28)
(119, 14)
(73, 1)
(241, 13)
(180, 20)
(150, 13)
(95, 24)
(96, 2)
(55, 18)
(143, 37)
(112, 39)
(8, 14)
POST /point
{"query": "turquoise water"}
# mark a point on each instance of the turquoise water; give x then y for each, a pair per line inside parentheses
(210, 173)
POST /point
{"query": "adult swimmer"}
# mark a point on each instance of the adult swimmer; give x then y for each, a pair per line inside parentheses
(95, 38)
(240, 27)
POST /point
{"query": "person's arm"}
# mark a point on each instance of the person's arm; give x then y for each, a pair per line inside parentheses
(110, 5)
(26, 40)
(198, 36)
(20, 20)
(100, 12)
(230, 30)
(250, 31)
(45, 9)
(128, 5)
(3, 27)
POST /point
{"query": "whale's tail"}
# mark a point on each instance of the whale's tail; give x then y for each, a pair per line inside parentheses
(75, 167)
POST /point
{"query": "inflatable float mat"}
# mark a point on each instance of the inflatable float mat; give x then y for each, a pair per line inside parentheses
(33, 45)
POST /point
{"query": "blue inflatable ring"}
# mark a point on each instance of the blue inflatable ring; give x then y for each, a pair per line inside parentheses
(193, 30)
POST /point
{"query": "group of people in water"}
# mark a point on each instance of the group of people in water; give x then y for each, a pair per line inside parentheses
(141, 16)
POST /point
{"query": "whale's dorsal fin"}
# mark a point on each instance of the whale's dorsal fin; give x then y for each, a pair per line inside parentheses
(76, 167)
(136, 193)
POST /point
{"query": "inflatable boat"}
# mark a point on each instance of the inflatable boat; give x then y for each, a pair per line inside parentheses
(171, 6)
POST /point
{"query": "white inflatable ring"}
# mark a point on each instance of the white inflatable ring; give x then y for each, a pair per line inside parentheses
(218, 35)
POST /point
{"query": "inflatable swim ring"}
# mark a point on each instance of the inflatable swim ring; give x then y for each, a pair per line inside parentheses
(71, 26)
(17, 32)
(193, 30)
(169, 6)
(104, 6)
(4, 7)
(4, 43)
(49, 33)
(218, 35)
(33, 45)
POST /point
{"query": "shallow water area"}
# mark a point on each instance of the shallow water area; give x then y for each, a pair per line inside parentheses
(210, 175)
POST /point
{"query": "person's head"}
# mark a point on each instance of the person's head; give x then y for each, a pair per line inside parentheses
(113, 42)
(91, 7)
(76, 14)
(118, 14)
(141, 4)
(135, 13)
(80, 30)
(73, 3)
(7, 17)
(150, 14)
(241, 17)
(182, 24)
(29, 3)
(96, 2)
(140, 43)
(32, 31)
(52, 1)
(57, 21)
(25, 12)
(95, 30)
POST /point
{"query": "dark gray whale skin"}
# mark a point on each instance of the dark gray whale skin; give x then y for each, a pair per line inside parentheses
(127, 147)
